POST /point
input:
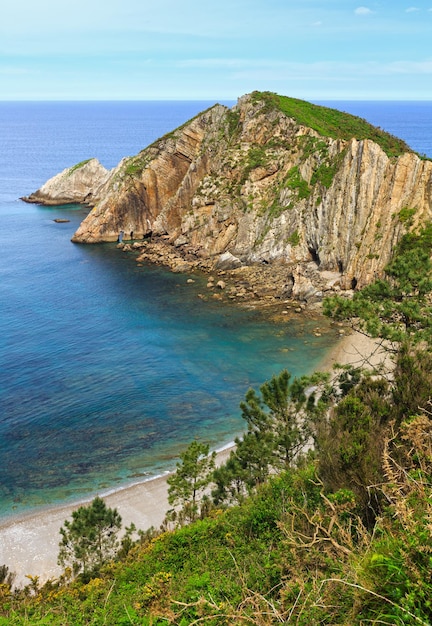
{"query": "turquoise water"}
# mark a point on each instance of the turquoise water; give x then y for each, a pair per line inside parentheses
(112, 368)
(109, 370)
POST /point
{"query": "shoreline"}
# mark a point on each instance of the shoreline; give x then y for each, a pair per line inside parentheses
(29, 542)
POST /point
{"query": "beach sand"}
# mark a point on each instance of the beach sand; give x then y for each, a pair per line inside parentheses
(358, 350)
(30, 544)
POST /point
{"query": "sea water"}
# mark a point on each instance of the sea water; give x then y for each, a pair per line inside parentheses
(410, 121)
(108, 370)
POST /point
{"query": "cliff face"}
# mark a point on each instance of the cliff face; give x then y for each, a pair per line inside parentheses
(79, 184)
(251, 185)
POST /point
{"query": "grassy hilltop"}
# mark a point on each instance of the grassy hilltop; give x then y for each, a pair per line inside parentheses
(333, 123)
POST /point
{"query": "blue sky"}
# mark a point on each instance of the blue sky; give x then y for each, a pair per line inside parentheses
(218, 50)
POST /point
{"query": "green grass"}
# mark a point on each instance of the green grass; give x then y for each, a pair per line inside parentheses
(331, 122)
(78, 166)
(233, 119)
(295, 182)
(135, 166)
(294, 239)
(406, 215)
(326, 172)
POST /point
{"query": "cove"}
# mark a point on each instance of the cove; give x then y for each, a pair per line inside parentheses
(112, 369)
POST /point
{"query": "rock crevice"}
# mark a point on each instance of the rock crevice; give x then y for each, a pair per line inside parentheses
(251, 185)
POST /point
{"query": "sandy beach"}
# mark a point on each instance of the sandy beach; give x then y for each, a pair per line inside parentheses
(29, 545)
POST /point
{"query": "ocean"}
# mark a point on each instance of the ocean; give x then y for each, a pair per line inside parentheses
(410, 121)
(109, 370)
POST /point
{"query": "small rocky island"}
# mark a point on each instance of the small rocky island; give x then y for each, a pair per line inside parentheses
(287, 199)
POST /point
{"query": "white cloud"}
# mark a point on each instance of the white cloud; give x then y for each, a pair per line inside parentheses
(335, 71)
(410, 67)
(13, 71)
(363, 11)
(220, 63)
(412, 10)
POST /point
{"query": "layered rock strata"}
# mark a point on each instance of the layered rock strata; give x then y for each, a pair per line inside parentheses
(80, 184)
(250, 186)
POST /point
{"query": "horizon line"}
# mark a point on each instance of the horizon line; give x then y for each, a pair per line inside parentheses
(203, 99)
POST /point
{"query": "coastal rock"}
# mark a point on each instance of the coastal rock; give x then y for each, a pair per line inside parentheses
(306, 280)
(79, 184)
(250, 186)
(227, 261)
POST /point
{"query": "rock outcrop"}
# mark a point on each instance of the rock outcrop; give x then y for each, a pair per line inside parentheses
(80, 184)
(251, 185)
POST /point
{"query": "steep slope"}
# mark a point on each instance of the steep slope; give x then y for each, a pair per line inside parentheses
(78, 184)
(322, 193)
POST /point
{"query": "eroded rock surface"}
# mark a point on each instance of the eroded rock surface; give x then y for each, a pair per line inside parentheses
(80, 184)
(250, 187)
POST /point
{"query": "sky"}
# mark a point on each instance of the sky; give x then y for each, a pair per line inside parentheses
(215, 50)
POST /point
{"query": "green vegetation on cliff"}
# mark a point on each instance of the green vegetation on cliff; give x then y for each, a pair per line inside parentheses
(397, 308)
(77, 166)
(331, 122)
(296, 551)
(339, 535)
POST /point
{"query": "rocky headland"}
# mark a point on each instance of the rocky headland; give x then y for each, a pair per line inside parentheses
(276, 198)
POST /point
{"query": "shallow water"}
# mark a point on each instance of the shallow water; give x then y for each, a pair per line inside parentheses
(109, 370)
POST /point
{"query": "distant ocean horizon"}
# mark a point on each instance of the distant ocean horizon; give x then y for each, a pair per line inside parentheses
(109, 370)
(409, 120)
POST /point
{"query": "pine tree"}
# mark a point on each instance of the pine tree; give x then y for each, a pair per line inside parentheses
(192, 476)
(277, 430)
(90, 538)
(278, 416)
(398, 307)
